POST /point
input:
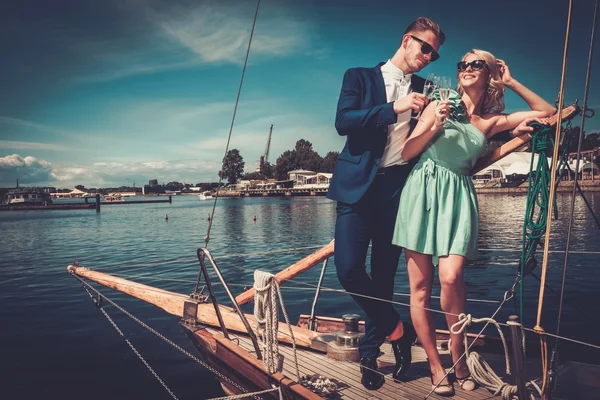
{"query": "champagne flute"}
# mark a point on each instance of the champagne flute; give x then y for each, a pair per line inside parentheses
(431, 83)
(445, 84)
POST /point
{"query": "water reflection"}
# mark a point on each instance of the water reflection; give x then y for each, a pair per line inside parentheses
(36, 247)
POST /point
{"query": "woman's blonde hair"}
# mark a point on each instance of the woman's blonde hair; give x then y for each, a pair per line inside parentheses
(493, 101)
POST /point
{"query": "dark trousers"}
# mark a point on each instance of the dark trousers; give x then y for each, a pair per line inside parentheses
(371, 220)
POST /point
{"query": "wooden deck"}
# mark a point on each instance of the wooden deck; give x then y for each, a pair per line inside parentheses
(347, 374)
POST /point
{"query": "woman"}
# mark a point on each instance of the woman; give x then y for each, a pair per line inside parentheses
(438, 217)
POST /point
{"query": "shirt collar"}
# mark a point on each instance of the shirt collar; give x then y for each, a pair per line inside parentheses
(395, 73)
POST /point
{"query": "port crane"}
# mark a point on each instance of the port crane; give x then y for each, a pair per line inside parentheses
(265, 157)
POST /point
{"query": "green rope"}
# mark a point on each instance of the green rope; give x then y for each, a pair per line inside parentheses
(538, 195)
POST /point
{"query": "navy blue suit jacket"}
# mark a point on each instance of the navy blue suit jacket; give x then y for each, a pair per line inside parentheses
(363, 116)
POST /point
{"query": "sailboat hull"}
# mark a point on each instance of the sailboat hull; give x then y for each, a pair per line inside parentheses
(242, 367)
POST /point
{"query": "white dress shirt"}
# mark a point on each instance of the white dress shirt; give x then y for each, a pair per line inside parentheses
(397, 86)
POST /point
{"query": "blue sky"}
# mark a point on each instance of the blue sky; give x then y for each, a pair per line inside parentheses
(104, 93)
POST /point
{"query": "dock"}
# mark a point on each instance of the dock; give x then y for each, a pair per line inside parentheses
(296, 191)
(86, 205)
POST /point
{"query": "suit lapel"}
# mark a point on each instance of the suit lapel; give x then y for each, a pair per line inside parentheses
(379, 85)
(416, 84)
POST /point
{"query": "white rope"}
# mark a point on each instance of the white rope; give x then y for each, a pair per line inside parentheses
(460, 327)
(480, 370)
(266, 292)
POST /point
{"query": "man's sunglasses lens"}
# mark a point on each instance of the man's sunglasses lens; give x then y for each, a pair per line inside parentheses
(426, 48)
(476, 65)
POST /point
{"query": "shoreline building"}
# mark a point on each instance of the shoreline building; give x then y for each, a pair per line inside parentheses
(514, 168)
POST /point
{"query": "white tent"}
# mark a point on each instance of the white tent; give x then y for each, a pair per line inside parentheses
(76, 192)
(518, 168)
(521, 161)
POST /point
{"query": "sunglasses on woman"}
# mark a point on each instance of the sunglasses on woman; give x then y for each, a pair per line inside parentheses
(426, 48)
(475, 65)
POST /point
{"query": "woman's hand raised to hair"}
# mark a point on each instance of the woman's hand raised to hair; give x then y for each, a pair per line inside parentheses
(505, 74)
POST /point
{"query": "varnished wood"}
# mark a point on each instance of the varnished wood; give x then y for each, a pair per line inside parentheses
(417, 385)
(172, 303)
(293, 270)
(235, 359)
(332, 325)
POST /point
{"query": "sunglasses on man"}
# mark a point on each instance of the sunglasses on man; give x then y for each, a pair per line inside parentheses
(475, 65)
(426, 48)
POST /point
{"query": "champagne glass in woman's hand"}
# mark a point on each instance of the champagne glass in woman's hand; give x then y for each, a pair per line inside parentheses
(431, 83)
(445, 83)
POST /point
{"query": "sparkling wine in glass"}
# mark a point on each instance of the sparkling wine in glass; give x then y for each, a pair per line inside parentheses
(444, 86)
(431, 83)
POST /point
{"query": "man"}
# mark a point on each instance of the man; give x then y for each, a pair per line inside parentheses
(374, 113)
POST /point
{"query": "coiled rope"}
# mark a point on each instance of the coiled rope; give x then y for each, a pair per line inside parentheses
(267, 320)
(480, 370)
(266, 293)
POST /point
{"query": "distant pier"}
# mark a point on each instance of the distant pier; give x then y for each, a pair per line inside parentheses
(297, 191)
(85, 205)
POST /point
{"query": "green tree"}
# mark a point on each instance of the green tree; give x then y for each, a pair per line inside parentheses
(268, 170)
(285, 163)
(306, 157)
(253, 176)
(329, 161)
(233, 166)
(302, 157)
(174, 185)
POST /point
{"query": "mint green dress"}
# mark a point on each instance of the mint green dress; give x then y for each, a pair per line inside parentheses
(438, 212)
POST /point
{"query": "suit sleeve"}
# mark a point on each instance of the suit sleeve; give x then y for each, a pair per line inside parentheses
(351, 118)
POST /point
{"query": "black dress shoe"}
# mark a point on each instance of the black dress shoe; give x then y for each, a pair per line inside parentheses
(402, 351)
(372, 379)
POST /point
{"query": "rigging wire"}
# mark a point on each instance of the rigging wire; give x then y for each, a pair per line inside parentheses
(538, 328)
(554, 162)
(157, 290)
(237, 101)
(579, 144)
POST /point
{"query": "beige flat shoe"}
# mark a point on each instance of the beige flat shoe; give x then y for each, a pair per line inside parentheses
(443, 389)
(467, 383)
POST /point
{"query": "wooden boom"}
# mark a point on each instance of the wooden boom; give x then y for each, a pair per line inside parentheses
(514, 144)
(173, 302)
(293, 270)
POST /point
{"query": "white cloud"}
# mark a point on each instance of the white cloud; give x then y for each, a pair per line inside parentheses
(30, 170)
(188, 37)
(220, 33)
(26, 169)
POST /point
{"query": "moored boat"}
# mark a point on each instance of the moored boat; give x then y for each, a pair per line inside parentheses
(207, 195)
(114, 198)
(317, 357)
(27, 197)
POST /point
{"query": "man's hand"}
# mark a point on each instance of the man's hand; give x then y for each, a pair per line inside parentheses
(524, 127)
(413, 101)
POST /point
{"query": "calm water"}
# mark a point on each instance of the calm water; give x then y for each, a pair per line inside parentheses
(54, 342)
